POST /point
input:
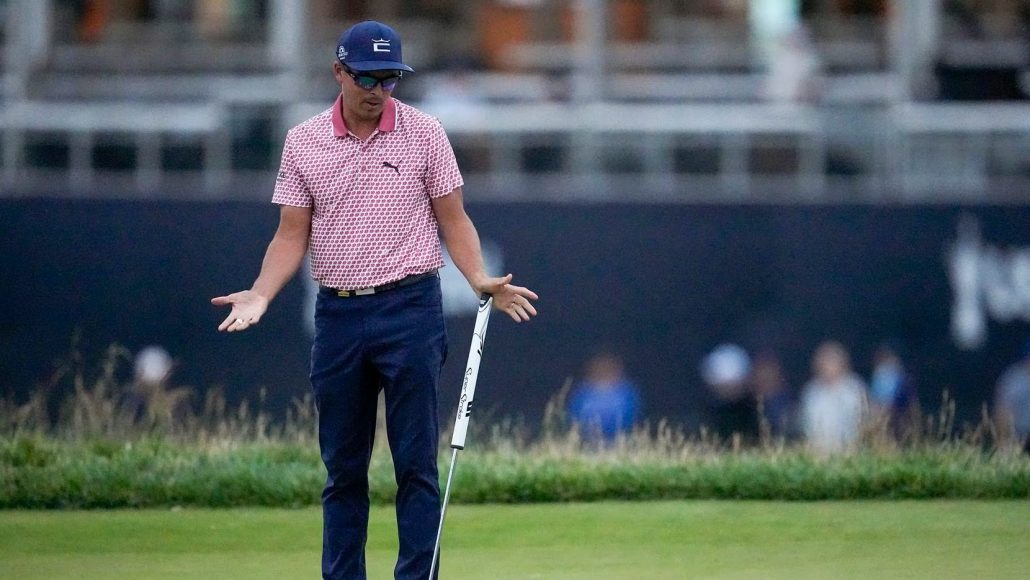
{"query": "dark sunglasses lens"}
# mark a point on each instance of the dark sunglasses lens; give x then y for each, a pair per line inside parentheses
(366, 82)
(390, 83)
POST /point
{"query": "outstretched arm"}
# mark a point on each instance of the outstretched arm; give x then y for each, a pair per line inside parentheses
(282, 260)
(462, 242)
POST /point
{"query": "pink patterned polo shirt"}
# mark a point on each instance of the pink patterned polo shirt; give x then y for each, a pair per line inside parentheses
(371, 221)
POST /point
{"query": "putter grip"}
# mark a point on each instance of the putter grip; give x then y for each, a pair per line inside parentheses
(468, 384)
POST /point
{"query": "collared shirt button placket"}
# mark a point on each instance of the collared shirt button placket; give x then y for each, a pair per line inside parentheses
(362, 150)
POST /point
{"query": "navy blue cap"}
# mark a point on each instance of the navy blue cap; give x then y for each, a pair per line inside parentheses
(369, 46)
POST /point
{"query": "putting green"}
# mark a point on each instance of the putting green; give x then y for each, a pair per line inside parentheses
(711, 539)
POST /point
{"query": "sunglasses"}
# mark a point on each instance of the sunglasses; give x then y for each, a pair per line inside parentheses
(369, 82)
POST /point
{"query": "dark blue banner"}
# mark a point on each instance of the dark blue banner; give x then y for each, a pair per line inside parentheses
(659, 285)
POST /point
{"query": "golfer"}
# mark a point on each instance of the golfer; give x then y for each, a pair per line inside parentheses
(365, 187)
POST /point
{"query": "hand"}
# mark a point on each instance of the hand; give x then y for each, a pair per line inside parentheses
(247, 308)
(513, 300)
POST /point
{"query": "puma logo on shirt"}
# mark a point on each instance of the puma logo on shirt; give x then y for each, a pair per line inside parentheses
(391, 166)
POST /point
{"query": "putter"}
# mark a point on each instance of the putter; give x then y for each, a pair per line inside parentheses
(461, 422)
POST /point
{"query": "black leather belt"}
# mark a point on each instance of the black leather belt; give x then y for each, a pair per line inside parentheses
(406, 281)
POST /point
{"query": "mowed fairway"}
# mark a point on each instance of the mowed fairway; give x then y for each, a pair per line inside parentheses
(710, 539)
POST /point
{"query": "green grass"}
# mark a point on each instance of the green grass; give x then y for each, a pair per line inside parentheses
(99, 452)
(49, 473)
(607, 540)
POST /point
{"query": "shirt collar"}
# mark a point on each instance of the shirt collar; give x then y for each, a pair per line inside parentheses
(387, 121)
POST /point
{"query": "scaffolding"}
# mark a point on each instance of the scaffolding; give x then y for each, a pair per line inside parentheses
(597, 106)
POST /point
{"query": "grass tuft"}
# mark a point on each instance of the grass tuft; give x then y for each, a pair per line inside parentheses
(121, 445)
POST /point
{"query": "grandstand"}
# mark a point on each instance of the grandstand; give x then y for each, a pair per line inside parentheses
(710, 100)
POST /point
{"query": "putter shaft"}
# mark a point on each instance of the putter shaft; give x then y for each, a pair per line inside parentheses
(443, 513)
(461, 420)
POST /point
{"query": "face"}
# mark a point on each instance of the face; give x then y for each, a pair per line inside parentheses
(604, 370)
(831, 362)
(361, 102)
(768, 376)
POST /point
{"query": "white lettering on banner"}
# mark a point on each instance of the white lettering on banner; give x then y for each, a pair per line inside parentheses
(987, 281)
(380, 45)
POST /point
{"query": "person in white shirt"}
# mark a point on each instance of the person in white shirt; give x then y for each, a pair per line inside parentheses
(833, 403)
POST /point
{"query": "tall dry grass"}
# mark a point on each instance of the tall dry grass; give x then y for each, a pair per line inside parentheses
(79, 402)
(89, 440)
(83, 402)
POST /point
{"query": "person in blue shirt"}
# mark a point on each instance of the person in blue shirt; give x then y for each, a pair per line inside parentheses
(892, 391)
(605, 403)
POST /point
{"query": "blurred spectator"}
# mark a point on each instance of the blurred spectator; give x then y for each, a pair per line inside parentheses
(793, 73)
(784, 47)
(1012, 399)
(775, 404)
(605, 403)
(152, 369)
(93, 18)
(502, 25)
(214, 17)
(725, 371)
(892, 393)
(152, 366)
(220, 19)
(833, 402)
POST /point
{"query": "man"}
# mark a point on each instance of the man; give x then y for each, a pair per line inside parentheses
(833, 403)
(604, 405)
(365, 186)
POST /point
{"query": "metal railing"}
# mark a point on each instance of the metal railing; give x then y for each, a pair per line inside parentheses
(79, 129)
(739, 152)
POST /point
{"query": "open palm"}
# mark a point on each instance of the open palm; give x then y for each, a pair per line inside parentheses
(247, 309)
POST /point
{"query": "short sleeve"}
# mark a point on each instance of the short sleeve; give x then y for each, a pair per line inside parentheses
(290, 188)
(442, 174)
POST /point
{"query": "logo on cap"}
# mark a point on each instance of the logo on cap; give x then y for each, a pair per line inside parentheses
(369, 46)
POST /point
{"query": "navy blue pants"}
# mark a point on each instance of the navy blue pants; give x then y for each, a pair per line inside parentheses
(394, 341)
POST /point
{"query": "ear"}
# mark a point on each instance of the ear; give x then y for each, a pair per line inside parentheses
(338, 71)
